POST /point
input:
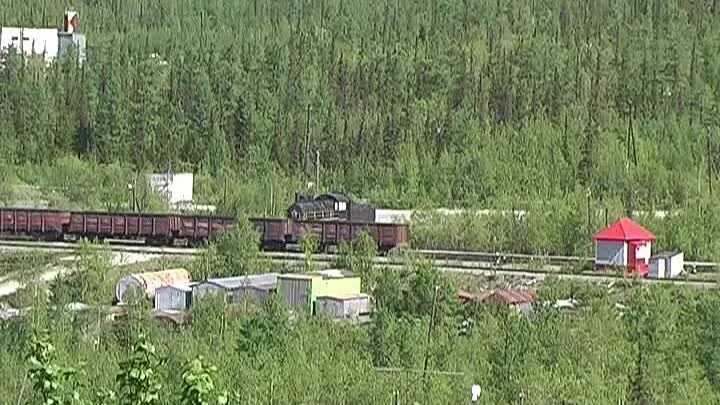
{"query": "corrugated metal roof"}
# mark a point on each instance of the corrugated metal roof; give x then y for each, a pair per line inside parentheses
(624, 229)
(512, 297)
(265, 287)
(231, 283)
(502, 296)
(327, 273)
(187, 287)
(335, 273)
(344, 297)
(299, 276)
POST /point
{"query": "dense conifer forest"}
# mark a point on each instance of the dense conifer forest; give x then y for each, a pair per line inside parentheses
(433, 101)
(562, 108)
(526, 105)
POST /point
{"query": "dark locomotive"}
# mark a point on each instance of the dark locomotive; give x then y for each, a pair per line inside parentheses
(333, 218)
(330, 207)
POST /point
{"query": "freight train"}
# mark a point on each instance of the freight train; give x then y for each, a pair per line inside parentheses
(189, 230)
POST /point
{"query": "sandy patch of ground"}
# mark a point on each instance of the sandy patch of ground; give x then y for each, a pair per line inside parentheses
(9, 287)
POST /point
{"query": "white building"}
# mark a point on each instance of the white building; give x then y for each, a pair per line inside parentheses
(666, 265)
(49, 43)
(176, 188)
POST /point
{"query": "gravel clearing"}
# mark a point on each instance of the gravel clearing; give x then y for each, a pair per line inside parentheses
(9, 287)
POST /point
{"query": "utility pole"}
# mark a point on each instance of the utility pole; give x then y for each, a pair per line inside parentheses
(589, 194)
(606, 217)
(429, 338)
(709, 162)
(224, 200)
(131, 187)
(306, 148)
(317, 172)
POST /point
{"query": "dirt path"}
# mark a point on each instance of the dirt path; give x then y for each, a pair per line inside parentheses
(9, 286)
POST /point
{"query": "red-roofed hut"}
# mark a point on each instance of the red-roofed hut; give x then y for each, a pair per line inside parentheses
(518, 300)
(624, 244)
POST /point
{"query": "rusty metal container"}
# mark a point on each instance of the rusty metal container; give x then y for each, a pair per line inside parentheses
(120, 225)
(149, 282)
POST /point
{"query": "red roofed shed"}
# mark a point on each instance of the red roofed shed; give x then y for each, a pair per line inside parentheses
(624, 244)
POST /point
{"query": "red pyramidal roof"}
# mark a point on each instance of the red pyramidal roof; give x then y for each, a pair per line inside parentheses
(624, 229)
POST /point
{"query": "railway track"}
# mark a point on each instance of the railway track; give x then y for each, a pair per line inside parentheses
(474, 263)
(69, 247)
(523, 258)
(496, 257)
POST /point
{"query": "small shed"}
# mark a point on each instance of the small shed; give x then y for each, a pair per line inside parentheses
(517, 300)
(343, 306)
(299, 291)
(624, 244)
(176, 297)
(666, 265)
(148, 282)
(255, 285)
(258, 294)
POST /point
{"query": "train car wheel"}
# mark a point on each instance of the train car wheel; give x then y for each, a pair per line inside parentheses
(273, 246)
(52, 237)
(198, 242)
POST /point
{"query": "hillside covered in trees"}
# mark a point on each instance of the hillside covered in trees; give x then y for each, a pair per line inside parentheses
(437, 102)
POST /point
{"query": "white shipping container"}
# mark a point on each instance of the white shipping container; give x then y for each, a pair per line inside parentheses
(344, 307)
(666, 265)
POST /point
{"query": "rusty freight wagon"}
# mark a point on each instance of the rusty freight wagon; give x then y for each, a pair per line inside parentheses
(199, 230)
(35, 223)
(154, 229)
(272, 231)
(387, 236)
